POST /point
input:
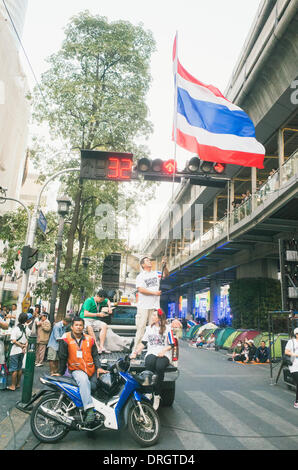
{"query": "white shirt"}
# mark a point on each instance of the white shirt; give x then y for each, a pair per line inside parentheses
(148, 280)
(157, 342)
(292, 345)
(15, 335)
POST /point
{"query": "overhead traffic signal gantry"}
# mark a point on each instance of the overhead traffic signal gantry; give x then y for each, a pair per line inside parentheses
(196, 171)
(116, 166)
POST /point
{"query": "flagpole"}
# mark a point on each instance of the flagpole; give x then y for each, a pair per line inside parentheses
(176, 95)
(175, 69)
(175, 108)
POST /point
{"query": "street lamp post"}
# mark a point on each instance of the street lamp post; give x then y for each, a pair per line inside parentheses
(63, 209)
(32, 230)
(85, 263)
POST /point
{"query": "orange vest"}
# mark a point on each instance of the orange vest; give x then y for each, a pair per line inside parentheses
(85, 362)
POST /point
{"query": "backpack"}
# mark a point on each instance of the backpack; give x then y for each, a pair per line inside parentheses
(7, 354)
(287, 360)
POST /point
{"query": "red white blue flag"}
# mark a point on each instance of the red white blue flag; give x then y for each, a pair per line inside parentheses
(209, 125)
(171, 339)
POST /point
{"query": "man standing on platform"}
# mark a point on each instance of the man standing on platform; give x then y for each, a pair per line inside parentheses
(148, 286)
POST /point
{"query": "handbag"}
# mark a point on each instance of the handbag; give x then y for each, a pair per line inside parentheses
(287, 360)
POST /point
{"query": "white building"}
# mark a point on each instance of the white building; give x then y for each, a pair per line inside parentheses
(14, 105)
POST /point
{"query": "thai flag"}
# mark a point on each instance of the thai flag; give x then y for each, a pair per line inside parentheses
(209, 125)
(171, 339)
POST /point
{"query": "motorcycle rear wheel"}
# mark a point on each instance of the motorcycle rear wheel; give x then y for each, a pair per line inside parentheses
(144, 431)
(44, 428)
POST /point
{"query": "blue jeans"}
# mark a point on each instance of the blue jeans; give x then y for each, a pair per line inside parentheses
(85, 384)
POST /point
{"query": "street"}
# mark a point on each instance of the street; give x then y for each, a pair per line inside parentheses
(219, 405)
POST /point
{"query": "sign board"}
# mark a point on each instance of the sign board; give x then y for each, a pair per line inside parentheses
(26, 303)
(42, 222)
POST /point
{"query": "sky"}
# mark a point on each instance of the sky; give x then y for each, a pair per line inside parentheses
(211, 35)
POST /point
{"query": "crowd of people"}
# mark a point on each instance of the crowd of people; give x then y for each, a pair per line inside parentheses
(15, 331)
(246, 351)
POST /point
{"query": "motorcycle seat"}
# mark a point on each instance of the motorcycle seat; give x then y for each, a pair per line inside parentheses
(67, 380)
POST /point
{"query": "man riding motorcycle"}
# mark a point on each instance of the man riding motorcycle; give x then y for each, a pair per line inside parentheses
(78, 352)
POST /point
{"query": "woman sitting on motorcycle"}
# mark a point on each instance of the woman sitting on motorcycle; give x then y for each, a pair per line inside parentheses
(160, 340)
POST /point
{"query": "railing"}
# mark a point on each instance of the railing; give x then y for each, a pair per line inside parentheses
(221, 228)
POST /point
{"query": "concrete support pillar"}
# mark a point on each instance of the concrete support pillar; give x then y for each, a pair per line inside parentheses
(215, 205)
(190, 300)
(232, 194)
(214, 300)
(253, 187)
(267, 268)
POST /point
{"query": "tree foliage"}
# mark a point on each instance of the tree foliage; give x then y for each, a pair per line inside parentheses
(93, 97)
(251, 300)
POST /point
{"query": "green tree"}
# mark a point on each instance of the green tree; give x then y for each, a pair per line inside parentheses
(251, 299)
(93, 97)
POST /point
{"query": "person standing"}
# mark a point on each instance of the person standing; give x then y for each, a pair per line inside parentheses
(78, 353)
(148, 287)
(19, 339)
(43, 327)
(4, 325)
(58, 331)
(291, 349)
(11, 316)
(160, 340)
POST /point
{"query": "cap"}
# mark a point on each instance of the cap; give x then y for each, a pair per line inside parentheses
(250, 341)
(296, 331)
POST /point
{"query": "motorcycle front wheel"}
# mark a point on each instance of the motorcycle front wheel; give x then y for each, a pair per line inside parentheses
(143, 424)
(43, 427)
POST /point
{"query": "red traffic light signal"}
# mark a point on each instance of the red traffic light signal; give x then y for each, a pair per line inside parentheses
(170, 167)
(219, 168)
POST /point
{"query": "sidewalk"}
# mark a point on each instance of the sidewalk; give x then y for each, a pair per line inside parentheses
(14, 422)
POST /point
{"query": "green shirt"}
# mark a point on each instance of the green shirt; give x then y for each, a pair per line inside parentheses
(91, 306)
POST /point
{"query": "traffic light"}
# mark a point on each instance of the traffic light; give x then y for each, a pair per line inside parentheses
(196, 171)
(111, 271)
(109, 166)
(29, 257)
(197, 166)
(115, 166)
(158, 170)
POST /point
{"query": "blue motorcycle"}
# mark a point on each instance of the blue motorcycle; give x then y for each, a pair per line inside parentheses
(119, 401)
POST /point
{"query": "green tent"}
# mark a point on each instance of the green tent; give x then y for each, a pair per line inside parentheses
(276, 350)
(229, 341)
(207, 333)
(224, 334)
(219, 336)
(192, 331)
(261, 337)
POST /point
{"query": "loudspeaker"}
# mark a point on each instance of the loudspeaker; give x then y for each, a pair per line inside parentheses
(111, 271)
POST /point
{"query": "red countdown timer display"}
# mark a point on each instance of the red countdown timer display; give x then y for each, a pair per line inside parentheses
(119, 168)
(109, 166)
